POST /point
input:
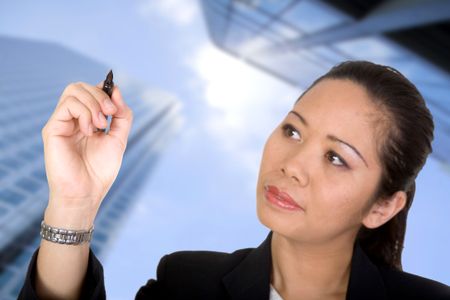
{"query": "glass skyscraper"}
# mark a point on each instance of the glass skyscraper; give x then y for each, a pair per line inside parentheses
(297, 41)
(33, 75)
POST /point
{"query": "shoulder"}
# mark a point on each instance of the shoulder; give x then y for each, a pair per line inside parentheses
(198, 273)
(404, 285)
(204, 262)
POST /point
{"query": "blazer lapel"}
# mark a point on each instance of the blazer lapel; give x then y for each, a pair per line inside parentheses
(365, 279)
(250, 279)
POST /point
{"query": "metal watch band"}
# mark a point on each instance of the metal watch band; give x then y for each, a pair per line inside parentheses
(65, 236)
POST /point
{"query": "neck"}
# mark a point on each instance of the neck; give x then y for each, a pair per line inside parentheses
(310, 270)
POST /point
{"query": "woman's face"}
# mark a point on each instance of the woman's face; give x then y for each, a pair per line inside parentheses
(324, 156)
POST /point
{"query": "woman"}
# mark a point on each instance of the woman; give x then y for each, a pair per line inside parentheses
(337, 178)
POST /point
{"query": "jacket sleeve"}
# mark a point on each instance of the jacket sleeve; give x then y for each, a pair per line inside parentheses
(93, 286)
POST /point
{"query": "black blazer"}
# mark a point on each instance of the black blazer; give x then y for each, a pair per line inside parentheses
(245, 274)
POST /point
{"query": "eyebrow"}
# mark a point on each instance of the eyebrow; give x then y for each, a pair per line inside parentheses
(331, 137)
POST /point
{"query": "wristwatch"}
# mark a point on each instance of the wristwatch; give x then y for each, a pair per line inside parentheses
(65, 236)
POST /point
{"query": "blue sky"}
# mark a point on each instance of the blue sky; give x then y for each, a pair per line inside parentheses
(201, 194)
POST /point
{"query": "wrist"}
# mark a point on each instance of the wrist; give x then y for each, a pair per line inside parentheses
(72, 218)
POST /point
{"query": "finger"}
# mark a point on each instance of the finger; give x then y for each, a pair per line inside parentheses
(63, 120)
(122, 119)
(103, 99)
(70, 90)
(79, 91)
(83, 95)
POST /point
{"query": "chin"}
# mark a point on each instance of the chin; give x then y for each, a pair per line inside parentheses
(271, 219)
(287, 225)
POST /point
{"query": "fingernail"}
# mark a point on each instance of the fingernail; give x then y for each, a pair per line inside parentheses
(101, 117)
(109, 104)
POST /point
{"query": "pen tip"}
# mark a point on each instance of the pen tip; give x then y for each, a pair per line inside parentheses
(109, 77)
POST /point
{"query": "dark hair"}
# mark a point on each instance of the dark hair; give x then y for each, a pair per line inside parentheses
(405, 142)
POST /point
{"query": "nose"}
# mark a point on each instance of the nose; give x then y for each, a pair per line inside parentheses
(295, 168)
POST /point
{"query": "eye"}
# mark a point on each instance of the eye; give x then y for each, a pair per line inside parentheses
(289, 130)
(334, 157)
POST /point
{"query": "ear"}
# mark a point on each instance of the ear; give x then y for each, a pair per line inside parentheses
(384, 209)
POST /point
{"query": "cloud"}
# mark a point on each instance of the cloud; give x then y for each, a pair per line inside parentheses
(181, 12)
(245, 103)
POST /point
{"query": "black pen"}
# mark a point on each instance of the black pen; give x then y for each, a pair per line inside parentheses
(108, 86)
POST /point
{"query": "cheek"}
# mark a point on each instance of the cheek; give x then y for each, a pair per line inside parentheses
(340, 205)
(347, 191)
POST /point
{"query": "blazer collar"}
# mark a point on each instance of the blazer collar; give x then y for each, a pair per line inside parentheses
(250, 279)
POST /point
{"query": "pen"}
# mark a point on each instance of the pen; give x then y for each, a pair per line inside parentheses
(108, 86)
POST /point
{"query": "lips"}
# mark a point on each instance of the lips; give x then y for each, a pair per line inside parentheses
(282, 199)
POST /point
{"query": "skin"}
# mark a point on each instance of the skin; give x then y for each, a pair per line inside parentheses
(334, 186)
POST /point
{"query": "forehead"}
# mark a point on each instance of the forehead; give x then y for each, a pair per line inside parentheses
(344, 109)
(333, 92)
